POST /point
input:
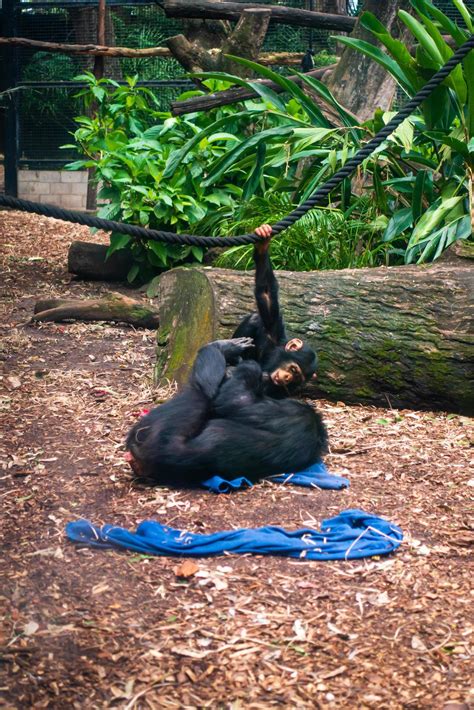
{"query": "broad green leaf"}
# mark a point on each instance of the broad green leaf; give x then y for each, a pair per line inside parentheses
(468, 66)
(401, 220)
(268, 95)
(396, 48)
(78, 164)
(307, 104)
(160, 250)
(177, 156)
(253, 181)
(383, 59)
(459, 35)
(347, 118)
(444, 49)
(230, 158)
(418, 190)
(222, 137)
(133, 273)
(432, 246)
(432, 218)
(380, 195)
(109, 211)
(465, 14)
(117, 241)
(198, 253)
(457, 145)
(423, 37)
(404, 133)
(265, 92)
(455, 79)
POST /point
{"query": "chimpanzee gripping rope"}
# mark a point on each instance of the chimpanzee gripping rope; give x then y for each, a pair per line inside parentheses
(287, 362)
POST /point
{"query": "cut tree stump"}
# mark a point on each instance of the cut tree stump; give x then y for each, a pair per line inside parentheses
(113, 306)
(87, 260)
(401, 336)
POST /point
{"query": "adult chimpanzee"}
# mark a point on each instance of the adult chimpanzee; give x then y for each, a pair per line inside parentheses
(288, 362)
(223, 424)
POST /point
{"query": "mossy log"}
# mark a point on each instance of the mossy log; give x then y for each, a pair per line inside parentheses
(399, 336)
(111, 307)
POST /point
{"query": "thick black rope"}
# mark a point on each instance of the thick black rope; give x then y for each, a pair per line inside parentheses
(316, 198)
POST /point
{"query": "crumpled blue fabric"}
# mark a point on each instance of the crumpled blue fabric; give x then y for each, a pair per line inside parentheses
(350, 535)
(316, 476)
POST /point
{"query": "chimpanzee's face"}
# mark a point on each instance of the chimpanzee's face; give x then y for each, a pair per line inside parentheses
(288, 373)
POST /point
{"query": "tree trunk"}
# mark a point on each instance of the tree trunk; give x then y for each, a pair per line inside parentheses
(194, 54)
(84, 20)
(399, 335)
(111, 307)
(87, 260)
(336, 7)
(207, 9)
(359, 83)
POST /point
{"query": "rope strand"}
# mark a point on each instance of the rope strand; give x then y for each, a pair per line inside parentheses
(317, 198)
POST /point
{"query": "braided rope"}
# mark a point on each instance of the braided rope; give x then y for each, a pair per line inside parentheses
(316, 198)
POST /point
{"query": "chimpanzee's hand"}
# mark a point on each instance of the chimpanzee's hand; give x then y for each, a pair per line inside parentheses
(242, 343)
(264, 231)
(233, 348)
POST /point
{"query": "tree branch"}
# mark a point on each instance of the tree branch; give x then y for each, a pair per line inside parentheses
(231, 96)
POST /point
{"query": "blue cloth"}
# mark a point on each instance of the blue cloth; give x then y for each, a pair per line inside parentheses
(350, 535)
(316, 476)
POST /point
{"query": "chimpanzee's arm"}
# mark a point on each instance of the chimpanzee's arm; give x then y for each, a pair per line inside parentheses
(211, 361)
(266, 294)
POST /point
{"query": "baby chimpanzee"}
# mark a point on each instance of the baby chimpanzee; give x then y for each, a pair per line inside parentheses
(222, 423)
(289, 363)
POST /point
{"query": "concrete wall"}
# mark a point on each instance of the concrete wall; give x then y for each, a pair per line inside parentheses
(58, 187)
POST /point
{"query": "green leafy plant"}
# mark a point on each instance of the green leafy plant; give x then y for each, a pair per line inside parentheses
(438, 213)
(323, 239)
(129, 141)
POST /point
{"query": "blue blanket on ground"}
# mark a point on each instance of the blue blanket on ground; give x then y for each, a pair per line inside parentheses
(350, 535)
(316, 476)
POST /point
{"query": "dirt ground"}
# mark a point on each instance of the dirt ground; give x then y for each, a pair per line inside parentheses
(106, 629)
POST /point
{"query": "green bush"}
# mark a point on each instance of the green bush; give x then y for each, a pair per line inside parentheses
(129, 142)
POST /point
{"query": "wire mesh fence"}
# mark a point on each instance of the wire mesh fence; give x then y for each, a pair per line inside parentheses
(47, 103)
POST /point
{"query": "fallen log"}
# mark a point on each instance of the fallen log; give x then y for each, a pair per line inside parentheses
(111, 307)
(231, 96)
(401, 336)
(87, 260)
(208, 10)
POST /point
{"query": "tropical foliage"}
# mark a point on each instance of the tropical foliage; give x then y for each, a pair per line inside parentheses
(129, 142)
(230, 169)
(432, 212)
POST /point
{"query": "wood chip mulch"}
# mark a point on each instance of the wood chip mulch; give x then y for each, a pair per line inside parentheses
(106, 629)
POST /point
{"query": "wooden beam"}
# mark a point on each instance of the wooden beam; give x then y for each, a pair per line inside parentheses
(91, 49)
(206, 9)
(265, 58)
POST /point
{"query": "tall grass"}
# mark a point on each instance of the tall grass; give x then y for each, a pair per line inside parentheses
(325, 238)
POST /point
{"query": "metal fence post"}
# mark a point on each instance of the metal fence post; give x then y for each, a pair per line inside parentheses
(10, 9)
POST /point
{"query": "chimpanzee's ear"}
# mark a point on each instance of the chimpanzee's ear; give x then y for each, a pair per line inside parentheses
(294, 344)
(314, 376)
